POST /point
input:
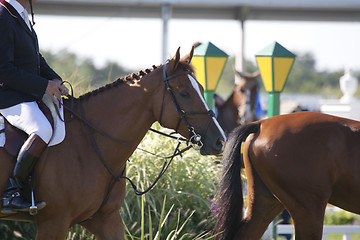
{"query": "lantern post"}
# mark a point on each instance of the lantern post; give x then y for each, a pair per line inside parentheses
(274, 63)
(209, 62)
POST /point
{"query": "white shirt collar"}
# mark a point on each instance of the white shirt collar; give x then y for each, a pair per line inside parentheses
(19, 8)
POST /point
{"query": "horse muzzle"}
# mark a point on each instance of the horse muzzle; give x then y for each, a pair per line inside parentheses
(213, 146)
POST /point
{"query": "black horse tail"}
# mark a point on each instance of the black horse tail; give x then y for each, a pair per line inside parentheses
(229, 197)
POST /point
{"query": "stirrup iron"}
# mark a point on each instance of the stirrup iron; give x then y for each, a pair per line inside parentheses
(33, 208)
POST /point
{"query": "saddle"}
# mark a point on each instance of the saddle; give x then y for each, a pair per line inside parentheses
(15, 137)
(55, 115)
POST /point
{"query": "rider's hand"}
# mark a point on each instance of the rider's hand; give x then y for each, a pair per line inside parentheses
(55, 89)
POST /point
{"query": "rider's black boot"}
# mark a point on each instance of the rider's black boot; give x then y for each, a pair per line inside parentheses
(12, 199)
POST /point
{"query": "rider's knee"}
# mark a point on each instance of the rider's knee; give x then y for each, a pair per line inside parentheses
(45, 132)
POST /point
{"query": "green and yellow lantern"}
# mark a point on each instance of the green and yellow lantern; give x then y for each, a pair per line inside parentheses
(274, 63)
(209, 62)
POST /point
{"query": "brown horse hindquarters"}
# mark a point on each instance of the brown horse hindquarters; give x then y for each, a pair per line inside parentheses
(262, 205)
(346, 190)
(313, 154)
(300, 162)
(306, 159)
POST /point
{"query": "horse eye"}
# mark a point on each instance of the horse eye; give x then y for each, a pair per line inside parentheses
(184, 94)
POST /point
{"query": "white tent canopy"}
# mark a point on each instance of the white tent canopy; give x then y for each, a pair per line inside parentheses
(242, 10)
(313, 10)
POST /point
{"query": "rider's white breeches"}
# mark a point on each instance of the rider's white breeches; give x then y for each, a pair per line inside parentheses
(29, 118)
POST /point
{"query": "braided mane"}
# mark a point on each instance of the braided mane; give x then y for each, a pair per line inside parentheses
(117, 82)
(130, 78)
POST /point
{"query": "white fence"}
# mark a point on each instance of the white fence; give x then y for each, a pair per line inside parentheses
(345, 230)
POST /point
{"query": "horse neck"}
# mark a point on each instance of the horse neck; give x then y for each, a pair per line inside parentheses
(247, 101)
(253, 93)
(124, 111)
(228, 114)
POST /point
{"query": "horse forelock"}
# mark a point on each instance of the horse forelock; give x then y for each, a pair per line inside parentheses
(183, 65)
(125, 79)
(186, 66)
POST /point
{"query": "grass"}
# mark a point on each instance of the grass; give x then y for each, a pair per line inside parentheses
(179, 206)
(189, 186)
(174, 234)
(163, 218)
(340, 236)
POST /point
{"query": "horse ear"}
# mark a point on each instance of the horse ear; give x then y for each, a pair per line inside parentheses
(240, 74)
(219, 102)
(256, 74)
(189, 56)
(176, 59)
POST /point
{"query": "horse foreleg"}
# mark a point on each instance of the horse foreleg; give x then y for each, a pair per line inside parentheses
(54, 229)
(106, 226)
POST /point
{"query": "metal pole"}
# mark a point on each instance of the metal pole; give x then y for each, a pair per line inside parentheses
(239, 60)
(209, 98)
(166, 15)
(273, 104)
(273, 110)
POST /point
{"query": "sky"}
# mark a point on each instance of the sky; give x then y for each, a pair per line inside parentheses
(136, 43)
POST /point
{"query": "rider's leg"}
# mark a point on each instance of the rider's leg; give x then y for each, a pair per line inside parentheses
(27, 117)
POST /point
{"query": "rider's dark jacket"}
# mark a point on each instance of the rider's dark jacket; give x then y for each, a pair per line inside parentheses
(24, 73)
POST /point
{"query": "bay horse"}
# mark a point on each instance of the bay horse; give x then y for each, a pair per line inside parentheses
(299, 162)
(70, 177)
(239, 108)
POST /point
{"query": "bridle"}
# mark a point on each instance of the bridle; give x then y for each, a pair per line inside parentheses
(195, 138)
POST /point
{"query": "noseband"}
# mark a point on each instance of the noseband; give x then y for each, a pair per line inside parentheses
(195, 138)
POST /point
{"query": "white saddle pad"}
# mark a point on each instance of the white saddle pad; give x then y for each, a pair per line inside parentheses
(59, 126)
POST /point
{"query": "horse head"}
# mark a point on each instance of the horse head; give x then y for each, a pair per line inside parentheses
(244, 95)
(239, 108)
(181, 106)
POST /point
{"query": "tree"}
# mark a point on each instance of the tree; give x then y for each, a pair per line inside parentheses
(82, 73)
(303, 77)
